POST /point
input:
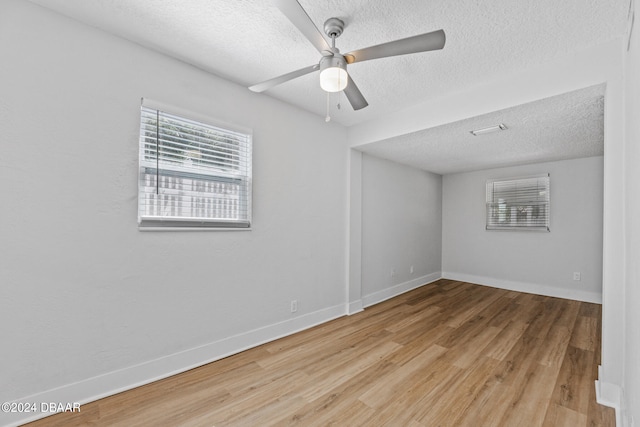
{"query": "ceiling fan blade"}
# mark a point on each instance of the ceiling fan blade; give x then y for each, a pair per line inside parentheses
(261, 87)
(422, 43)
(298, 17)
(354, 95)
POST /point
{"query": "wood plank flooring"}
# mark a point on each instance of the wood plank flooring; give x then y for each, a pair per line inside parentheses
(447, 354)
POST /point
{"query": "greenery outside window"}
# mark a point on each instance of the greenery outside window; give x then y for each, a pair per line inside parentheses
(192, 174)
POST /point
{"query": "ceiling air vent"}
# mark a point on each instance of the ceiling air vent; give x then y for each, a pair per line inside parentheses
(490, 129)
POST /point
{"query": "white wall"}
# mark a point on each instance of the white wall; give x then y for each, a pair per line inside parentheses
(85, 293)
(631, 387)
(401, 228)
(537, 262)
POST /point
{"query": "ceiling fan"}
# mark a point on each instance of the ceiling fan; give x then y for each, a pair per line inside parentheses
(333, 64)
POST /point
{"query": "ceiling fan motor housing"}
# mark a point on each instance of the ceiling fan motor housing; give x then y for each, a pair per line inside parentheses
(336, 60)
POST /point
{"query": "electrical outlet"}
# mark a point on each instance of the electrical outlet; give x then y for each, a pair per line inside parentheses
(411, 270)
(576, 275)
(393, 272)
(294, 305)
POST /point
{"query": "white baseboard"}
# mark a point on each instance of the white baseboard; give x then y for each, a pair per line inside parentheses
(128, 378)
(609, 394)
(399, 289)
(532, 288)
(354, 307)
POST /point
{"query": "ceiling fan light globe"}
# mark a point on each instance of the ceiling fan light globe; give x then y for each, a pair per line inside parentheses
(333, 79)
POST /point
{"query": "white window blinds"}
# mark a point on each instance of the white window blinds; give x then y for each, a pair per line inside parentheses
(192, 174)
(518, 203)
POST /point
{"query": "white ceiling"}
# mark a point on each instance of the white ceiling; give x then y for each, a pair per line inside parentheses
(562, 127)
(248, 41)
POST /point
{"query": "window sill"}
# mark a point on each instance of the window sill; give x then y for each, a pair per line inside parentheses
(194, 228)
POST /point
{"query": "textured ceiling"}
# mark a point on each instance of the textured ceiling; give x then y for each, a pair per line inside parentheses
(561, 127)
(249, 41)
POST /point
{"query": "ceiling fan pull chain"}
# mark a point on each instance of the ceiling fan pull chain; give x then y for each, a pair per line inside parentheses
(328, 118)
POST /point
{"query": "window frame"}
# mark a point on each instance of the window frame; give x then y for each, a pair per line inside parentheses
(519, 225)
(149, 222)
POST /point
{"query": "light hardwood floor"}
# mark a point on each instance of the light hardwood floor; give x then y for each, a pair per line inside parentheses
(446, 354)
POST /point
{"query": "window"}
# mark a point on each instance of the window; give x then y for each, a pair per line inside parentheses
(518, 204)
(192, 174)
